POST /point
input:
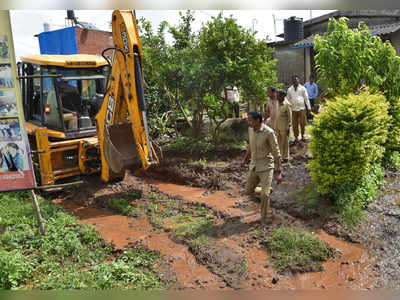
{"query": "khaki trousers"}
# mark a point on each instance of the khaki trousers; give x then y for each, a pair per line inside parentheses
(283, 142)
(265, 180)
(299, 118)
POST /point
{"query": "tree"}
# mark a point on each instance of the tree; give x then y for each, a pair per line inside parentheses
(347, 59)
(155, 54)
(189, 74)
(233, 56)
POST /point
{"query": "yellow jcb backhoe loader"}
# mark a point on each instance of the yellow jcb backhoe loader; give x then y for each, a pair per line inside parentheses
(85, 114)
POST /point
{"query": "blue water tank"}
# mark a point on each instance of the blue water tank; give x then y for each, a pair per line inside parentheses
(293, 29)
(61, 41)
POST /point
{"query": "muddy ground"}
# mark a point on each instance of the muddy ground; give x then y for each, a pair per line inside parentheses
(224, 249)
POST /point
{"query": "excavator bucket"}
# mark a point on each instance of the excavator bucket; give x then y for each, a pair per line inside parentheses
(120, 149)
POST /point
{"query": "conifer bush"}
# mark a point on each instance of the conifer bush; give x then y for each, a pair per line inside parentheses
(347, 145)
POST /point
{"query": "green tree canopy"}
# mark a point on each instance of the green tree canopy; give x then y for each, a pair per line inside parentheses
(190, 73)
(350, 58)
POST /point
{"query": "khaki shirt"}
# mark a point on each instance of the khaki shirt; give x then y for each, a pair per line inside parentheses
(284, 116)
(264, 148)
(272, 105)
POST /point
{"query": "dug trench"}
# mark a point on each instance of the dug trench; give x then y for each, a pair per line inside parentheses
(210, 236)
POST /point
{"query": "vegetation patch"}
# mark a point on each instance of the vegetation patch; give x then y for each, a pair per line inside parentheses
(69, 256)
(347, 148)
(297, 250)
(125, 204)
(193, 224)
(391, 161)
(351, 201)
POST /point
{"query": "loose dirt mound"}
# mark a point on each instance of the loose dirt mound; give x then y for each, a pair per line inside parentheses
(223, 261)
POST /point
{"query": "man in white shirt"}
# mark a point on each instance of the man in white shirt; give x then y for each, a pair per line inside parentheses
(231, 94)
(298, 98)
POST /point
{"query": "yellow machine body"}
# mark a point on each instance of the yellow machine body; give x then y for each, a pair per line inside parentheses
(113, 139)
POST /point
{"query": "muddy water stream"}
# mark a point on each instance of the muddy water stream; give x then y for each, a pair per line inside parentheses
(121, 231)
(351, 270)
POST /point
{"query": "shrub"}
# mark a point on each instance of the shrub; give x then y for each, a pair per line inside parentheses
(348, 147)
(14, 269)
(391, 160)
(189, 145)
(348, 140)
(350, 201)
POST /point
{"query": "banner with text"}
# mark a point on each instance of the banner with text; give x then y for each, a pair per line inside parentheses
(16, 170)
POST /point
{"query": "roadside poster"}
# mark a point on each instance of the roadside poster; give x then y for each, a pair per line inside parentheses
(16, 169)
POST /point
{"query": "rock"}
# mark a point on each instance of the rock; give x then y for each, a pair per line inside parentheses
(275, 280)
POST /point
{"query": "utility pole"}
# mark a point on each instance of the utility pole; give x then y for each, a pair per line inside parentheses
(254, 22)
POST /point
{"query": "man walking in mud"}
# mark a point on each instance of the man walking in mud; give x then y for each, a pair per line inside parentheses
(264, 151)
(283, 124)
(298, 98)
(271, 108)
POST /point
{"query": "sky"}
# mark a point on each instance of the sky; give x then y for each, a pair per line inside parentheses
(26, 24)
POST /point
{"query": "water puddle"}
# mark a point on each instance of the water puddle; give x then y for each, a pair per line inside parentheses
(121, 231)
(352, 269)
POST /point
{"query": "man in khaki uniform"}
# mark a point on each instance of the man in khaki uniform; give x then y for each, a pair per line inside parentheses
(271, 108)
(264, 150)
(283, 123)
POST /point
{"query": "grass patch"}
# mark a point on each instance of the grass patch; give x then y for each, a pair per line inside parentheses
(69, 256)
(124, 204)
(297, 250)
(121, 205)
(193, 224)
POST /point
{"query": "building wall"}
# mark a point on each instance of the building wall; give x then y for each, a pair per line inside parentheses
(93, 41)
(290, 62)
(395, 40)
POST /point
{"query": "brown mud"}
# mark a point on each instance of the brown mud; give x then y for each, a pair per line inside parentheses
(233, 257)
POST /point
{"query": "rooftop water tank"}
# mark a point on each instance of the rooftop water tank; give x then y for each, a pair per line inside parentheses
(46, 26)
(293, 29)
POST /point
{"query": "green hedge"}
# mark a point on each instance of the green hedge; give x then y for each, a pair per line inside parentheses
(348, 140)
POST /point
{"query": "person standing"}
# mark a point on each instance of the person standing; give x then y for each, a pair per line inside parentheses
(264, 151)
(283, 124)
(272, 105)
(231, 94)
(298, 99)
(312, 91)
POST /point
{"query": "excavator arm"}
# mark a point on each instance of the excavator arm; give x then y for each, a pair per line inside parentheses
(122, 121)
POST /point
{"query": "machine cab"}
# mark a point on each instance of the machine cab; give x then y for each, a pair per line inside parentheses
(63, 92)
